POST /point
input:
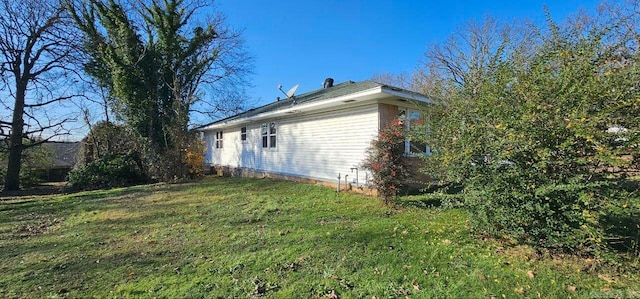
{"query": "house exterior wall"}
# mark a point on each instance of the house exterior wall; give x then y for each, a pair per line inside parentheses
(386, 114)
(316, 145)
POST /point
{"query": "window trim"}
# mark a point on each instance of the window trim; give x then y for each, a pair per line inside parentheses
(218, 139)
(243, 134)
(404, 116)
(269, 130)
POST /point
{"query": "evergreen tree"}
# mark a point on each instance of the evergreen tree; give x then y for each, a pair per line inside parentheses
(155, 63)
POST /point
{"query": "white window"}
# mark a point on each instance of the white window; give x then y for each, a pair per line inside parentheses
(209, 145)
(218, 140)
(269, 135)
(414, 119)
(243, 134)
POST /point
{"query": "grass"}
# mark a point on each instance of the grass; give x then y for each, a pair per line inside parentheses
(245, 238)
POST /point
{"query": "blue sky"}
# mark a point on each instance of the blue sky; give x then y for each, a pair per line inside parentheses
(303, 42)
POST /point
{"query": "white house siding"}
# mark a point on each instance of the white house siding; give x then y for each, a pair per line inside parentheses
(232, 147)
(317, 146)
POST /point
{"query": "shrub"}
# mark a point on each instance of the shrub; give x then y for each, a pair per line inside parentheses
(113, 155)
(385, 161)
(194, 156)
(113, 170)
(556, 216)
(107, 138)
(530, 138)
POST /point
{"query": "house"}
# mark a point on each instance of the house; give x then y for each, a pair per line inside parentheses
(50, 161)
(319, 136)
(63, 156)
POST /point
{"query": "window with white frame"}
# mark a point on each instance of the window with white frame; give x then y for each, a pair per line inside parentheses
(243, 134)
(414, 119)
(218, 140)
(269, 135)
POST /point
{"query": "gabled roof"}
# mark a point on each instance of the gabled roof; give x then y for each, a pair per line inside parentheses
(317, 96)
(63, 153)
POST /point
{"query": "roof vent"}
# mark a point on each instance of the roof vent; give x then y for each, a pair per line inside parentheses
(328, 83)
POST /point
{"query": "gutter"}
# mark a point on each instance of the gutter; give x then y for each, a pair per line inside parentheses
(306, 107)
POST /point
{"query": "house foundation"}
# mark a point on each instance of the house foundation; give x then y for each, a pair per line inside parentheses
(227, 171)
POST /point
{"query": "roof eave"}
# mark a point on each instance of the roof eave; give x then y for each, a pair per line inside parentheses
(407, 95)
(361, 96)
(305, 107)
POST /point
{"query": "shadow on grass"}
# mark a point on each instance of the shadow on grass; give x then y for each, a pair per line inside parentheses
(37, 190)
(423, 203)
(623, 231)
(432, 196)
(67, 204)
(621, 220)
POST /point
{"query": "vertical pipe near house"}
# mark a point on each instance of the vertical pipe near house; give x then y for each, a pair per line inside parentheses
(338, 187)
(346, 182)
(357, 175)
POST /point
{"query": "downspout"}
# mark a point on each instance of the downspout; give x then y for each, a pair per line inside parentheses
(366, 179)
(338, 187)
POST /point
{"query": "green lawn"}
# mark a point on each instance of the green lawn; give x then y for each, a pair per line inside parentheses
(239, 238)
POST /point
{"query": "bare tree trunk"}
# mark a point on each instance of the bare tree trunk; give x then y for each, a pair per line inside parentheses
(37, 50)
(12, 179)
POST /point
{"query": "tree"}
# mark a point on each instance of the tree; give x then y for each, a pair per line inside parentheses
(106, 138)
(34, 159)
(455, 73)
(35, 59)
(155, 61)
(404, 80)
(525, 121)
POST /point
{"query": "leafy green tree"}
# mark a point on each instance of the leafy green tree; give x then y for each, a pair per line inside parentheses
(526, 128)
(155, 61)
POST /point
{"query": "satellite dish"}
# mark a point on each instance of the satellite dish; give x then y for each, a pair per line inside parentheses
(291, 91)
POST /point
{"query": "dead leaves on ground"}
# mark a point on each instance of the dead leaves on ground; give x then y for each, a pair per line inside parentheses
(38, 225)
(530, 274)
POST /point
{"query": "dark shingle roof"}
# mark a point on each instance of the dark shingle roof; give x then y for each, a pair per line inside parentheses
(337, 90)
(64, 153)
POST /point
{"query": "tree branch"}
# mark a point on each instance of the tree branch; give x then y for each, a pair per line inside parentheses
(50, 102)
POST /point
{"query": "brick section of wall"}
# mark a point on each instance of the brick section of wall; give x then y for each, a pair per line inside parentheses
(386, 113)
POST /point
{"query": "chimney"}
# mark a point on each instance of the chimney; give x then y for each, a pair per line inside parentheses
(328, 83)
